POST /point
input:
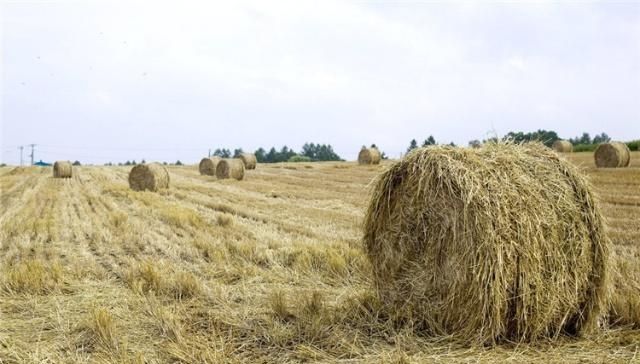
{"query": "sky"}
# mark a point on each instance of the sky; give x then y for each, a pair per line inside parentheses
(114, 81)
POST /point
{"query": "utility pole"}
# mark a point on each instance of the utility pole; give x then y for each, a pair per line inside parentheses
(209, 153)
(31, 155)
(21, 149)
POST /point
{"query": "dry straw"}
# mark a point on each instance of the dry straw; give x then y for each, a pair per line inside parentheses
(562, 146)
(150, 177)
(230, 168)
(62, 169)
(499, 243)
(208, 166)
(612, 155)
(249, 160)
(369, 156)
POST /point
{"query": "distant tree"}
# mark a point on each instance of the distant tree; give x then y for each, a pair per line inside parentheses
(287, 153)
(429, 141)
(272, 156)
(601, 138)
(319, 152)
(3, 164)
(373, 146)
(76, 163)
(413, 145)
(260, 154)
(585, 138)
(547, 137)
(134, 162)
(309, 150)
(178, 163)
(222, 153)
(165, 163)
(237, 152)
(452, 144)
(383, 156)
(475, 143)
(127, 163)
(143, 161)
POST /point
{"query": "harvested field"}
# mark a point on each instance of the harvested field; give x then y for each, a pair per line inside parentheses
(267, 270)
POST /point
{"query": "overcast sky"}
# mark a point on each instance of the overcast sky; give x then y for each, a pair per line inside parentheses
(103, 82)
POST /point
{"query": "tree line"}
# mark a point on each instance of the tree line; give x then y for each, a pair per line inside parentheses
(582, 142)
(310, 152)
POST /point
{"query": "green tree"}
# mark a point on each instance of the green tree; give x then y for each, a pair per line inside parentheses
(260, 154)
(413, 145)
(272, 156)
(237, 152)
(222, 153)
(475, 143)
(547, 137)
(429, 141)
(601, 138)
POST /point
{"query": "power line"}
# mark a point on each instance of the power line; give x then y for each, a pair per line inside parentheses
(33, 146)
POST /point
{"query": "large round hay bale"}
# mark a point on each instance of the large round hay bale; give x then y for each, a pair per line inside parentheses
(562, 146)
(62, 169)
(612, 155)
(208, 166)
(249, 159)
(230, 168)
(369, 156)
(499, 243)
(151, 177)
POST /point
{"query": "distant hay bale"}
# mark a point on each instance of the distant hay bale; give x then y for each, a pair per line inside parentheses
(151, 177)
(62, 169)
(230, 168)
(562, 146)
(369, 156)
(208, 166)
(612, 155)
(499, 243)
(249, 159)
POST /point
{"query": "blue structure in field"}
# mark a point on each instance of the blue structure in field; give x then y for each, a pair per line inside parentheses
(41, 163)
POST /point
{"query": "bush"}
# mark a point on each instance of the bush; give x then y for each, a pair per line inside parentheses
(584, 147)
(634, 145)
(299, 158)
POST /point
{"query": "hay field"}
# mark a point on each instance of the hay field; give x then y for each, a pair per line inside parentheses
(268, 269)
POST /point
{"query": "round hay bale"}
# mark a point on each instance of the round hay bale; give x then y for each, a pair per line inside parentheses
(562, 146)
(612, 155)
(208, 166)
(62, 169)
(499, 243)
(151, 177)
(369, 156)
(249, 160)
(230, 168)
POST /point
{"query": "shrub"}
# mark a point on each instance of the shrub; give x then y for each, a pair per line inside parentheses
(299, 158)
(634, 145)
(584, 147)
